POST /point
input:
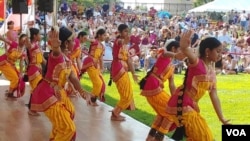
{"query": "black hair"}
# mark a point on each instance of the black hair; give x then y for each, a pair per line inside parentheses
(210, 43)
(230, 55)
(100, 32)
(122, 27)
(180, 131)
(33, 31)
(9, 23)
(174, 44)
(144, 79)
(22, 36)
(81, 34)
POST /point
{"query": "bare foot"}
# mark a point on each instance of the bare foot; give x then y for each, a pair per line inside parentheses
(33, 113)
(94, 104)
(117, 117)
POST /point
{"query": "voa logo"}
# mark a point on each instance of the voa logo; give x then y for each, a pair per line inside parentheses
(236, 132)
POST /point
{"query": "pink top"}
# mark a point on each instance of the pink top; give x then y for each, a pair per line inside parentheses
(199, 80)
(163, 70)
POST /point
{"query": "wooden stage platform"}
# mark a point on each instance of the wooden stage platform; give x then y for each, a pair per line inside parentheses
(92, 123)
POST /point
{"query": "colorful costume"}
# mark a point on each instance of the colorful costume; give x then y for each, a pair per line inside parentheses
(119, 74)
(8, 68)
(199, 80)
(34, 69)
(91, 64)
(60, 112)
(156, 96)
(76, 52)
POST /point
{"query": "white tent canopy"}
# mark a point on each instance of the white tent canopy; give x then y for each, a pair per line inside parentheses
(224, 6)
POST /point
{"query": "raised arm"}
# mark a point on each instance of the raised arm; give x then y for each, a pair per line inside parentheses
(185, 44)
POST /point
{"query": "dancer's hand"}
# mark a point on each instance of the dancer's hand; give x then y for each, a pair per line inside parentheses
(54, 39)
(57, 92)
(225, 121)
(136, 78)
(185, 40)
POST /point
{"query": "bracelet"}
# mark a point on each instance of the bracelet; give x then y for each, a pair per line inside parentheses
(82, 93)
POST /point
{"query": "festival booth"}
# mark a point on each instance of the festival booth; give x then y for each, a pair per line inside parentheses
(223, 6)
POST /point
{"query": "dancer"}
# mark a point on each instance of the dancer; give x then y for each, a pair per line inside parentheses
(54, 102)
(93, 65)
(8, 61)
(34, 62)
(75, 56)
(200, 77)
(121, 64)
(152, 88)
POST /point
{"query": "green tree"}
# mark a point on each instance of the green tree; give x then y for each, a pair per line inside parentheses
(201, 2)
(90, 3)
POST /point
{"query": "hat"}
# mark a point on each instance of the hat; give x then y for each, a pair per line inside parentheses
(65, 34)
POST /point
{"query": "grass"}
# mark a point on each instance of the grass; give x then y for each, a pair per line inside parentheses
(233, 91)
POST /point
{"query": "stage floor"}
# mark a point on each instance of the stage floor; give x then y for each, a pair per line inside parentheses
(92, 123)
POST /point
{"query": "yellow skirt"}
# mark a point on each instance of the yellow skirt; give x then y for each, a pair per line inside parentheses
(97, 81)
(195, 126)
(10, 74)
(33, 83)
(163, 121)
(125, 91)
(63, 127)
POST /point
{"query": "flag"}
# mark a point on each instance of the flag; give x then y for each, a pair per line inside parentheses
(29, 2)
(2, 11)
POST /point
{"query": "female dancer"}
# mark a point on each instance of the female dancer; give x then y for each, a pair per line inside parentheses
(93, 64)
(34, 62)
(199, 78)
(152, 88)
(54, 102)
(14, 53)
(121, 64)
(75, 57)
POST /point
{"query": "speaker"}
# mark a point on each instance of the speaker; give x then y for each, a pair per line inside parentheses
(45, 5)
(19, 7)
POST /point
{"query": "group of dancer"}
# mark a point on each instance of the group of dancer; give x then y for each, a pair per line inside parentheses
(63, 69)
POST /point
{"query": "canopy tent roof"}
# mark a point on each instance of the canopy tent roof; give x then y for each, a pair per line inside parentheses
(223, 6)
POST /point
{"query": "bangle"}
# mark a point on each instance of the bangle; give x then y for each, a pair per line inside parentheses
(82, 92)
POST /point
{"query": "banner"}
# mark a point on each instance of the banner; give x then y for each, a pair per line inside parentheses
(2, 11)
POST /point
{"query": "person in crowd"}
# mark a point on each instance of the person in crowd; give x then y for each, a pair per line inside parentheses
(11, 34)
(93, 65)
(150, 59)
(230, 65)
(54, 102)
(119, 73)
(199, 77)
(152, 86)
(15, 53)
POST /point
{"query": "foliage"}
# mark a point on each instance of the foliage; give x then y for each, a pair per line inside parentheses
(201, 2)
(89, 3)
